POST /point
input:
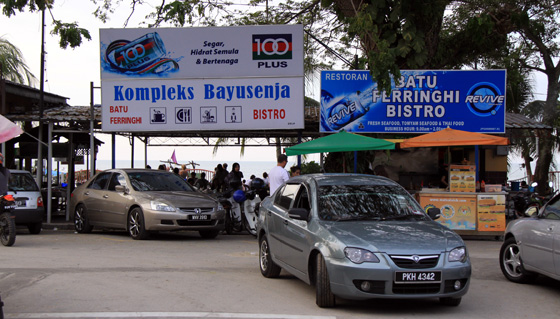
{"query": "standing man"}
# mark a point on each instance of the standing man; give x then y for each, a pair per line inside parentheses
(278, 175)
(4, 177)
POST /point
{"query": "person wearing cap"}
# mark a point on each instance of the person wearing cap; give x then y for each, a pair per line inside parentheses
(4, 176)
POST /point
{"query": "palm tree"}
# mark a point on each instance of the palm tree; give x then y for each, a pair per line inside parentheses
(12, 64)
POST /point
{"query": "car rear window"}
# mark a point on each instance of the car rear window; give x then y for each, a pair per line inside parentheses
(363, 202)
(22, 182)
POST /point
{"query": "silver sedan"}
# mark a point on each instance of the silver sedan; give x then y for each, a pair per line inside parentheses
(360, 237)
(143, 201)
(532, 245)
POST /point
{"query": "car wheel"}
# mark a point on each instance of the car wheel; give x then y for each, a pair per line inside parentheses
(35, 228)
(269, 269)
(209, 233)
(136, 227)
(449, 301)
(81, 222)
(325, 297)
(511, 263)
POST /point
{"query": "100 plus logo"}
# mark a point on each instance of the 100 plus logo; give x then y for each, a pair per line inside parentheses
(272, 47)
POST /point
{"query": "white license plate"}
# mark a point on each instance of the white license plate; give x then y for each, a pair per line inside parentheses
(199, 217)
(417, 276)
(21, 203)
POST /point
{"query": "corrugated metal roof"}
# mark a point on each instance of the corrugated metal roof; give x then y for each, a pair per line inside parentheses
(520, 121)
(63, 113)
(82, 113)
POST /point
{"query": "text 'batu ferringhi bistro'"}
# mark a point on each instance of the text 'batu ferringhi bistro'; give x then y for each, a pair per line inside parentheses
(456, 112)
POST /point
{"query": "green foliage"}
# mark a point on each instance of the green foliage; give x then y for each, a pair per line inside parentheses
(310, 168)
(13, 66)
(9, 7)
(70, 34)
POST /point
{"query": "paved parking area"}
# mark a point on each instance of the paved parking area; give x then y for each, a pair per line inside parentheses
(60, 274)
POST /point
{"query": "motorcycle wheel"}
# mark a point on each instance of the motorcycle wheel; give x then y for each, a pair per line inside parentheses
(228, 223)
(7, 230)
(248, 227)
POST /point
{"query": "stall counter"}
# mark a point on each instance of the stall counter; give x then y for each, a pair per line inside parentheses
(468, 213)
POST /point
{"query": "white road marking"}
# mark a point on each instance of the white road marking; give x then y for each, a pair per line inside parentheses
(79, 315)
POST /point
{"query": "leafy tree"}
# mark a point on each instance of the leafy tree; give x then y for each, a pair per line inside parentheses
(12, 65)
(70, 33)
(310, 168)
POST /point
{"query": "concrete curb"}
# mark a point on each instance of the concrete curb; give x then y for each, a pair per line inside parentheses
(58, 226)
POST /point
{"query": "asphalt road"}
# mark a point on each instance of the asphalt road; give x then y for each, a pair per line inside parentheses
(60, 274)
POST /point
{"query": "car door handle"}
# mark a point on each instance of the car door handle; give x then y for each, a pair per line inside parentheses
(105, 196)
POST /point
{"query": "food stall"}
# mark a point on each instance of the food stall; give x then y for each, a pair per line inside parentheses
(465, 208)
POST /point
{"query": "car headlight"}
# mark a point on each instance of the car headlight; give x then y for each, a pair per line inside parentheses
(159, 206)
(458, 254)
(358, 255)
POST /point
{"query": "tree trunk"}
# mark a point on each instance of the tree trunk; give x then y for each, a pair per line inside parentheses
(546, 142)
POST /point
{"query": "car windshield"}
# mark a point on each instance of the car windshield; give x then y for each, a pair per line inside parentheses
(157, 181)
(22, 183)
(367, 202)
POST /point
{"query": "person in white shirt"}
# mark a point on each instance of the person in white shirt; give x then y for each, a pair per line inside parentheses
(278, 175)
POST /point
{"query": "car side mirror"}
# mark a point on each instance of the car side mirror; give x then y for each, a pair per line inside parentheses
(121, 189)
(434, 213)
(298, 214)
(531, 211)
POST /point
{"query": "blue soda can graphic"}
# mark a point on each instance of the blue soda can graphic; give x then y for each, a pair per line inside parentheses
(345, 110)
(135, 55)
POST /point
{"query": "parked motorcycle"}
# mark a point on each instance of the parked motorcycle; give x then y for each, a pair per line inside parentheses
(526, 200)
(7, 220)
(242, 208)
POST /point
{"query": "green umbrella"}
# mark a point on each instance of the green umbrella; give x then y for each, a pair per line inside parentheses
(340, 142)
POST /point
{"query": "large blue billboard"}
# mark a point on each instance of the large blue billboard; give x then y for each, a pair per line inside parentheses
(424, 101)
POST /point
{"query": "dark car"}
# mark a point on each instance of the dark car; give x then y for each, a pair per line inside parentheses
(143, 201)
(360, 237)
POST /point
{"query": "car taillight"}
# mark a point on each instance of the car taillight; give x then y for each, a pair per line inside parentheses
(39, 201)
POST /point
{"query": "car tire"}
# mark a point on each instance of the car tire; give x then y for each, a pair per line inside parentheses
(209, 234)
(450, 301)
(135, 224)
(512, 265)
(269, 268)
(81, 221)
(324, 297)
(35, 228)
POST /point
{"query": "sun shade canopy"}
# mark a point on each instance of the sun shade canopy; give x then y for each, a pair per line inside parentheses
(340, 142)
(451, 137)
